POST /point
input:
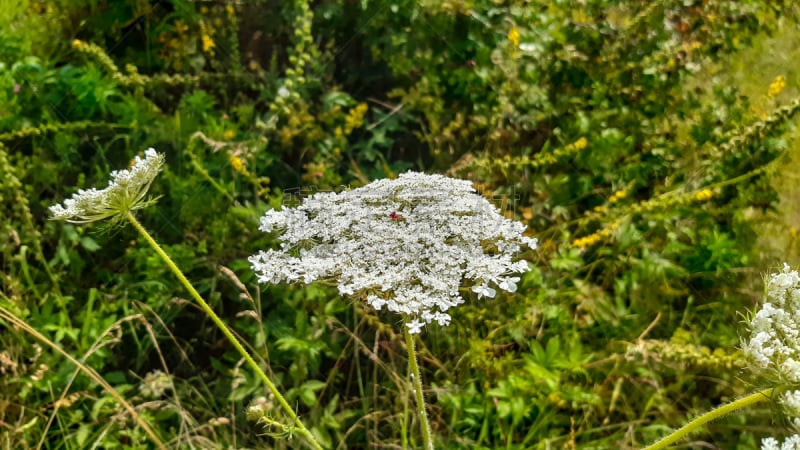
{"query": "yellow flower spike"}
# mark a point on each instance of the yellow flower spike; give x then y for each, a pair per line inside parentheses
(513, 36)
(208, 43)
(580, 144)
(703, 195)
(355, 118)
(76, 43)
(776, 87)
(586, 241)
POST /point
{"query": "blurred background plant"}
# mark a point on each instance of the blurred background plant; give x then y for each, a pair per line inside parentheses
(647, 144)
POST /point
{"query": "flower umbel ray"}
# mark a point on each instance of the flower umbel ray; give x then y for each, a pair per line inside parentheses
(406, 244)
(125, 192)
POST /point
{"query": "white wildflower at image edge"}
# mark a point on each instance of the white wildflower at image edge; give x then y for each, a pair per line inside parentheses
(775, 329)
(125, 193)
(774, 344)
(406, 244)
(791, 443)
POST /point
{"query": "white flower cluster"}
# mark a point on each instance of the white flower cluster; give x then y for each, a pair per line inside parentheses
(405, 244)
(791, 443)
(125, 192)
(775, 329)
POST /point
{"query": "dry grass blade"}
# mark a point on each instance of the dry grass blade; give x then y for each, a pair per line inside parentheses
(9, 316)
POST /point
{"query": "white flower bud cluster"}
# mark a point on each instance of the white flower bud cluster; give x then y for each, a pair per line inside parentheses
(405, 244)
(125, 192)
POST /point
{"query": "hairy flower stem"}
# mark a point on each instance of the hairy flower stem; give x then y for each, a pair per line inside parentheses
(301, 429)
(716, 413)
(417, 380)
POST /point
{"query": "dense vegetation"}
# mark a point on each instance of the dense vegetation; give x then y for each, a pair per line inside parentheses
(645, 186)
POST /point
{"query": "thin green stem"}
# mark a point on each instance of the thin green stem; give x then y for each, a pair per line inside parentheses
(228, 334)
(716, 413)
(202, 171)
(417, 380)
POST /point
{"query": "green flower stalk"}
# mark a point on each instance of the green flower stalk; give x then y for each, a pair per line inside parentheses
(697, 423)
(125, 194)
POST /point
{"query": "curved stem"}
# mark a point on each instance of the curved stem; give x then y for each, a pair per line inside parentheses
(228, 334)
(716, 413)
(417, 379)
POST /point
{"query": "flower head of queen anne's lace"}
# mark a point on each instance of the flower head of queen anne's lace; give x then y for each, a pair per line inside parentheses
(125, 192)
(405, 244)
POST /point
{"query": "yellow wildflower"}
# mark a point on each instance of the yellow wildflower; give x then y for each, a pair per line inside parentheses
(776, 87)
(703, 195)
(228, 135)
(355, 118)
(208, 43)
(580, 144)
(237, 164)
(619, 195)
(513, 36)
(586, 241)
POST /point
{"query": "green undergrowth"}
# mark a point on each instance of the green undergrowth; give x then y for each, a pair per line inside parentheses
(647, 145)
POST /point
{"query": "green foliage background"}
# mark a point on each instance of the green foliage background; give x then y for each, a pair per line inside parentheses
(646, 172)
